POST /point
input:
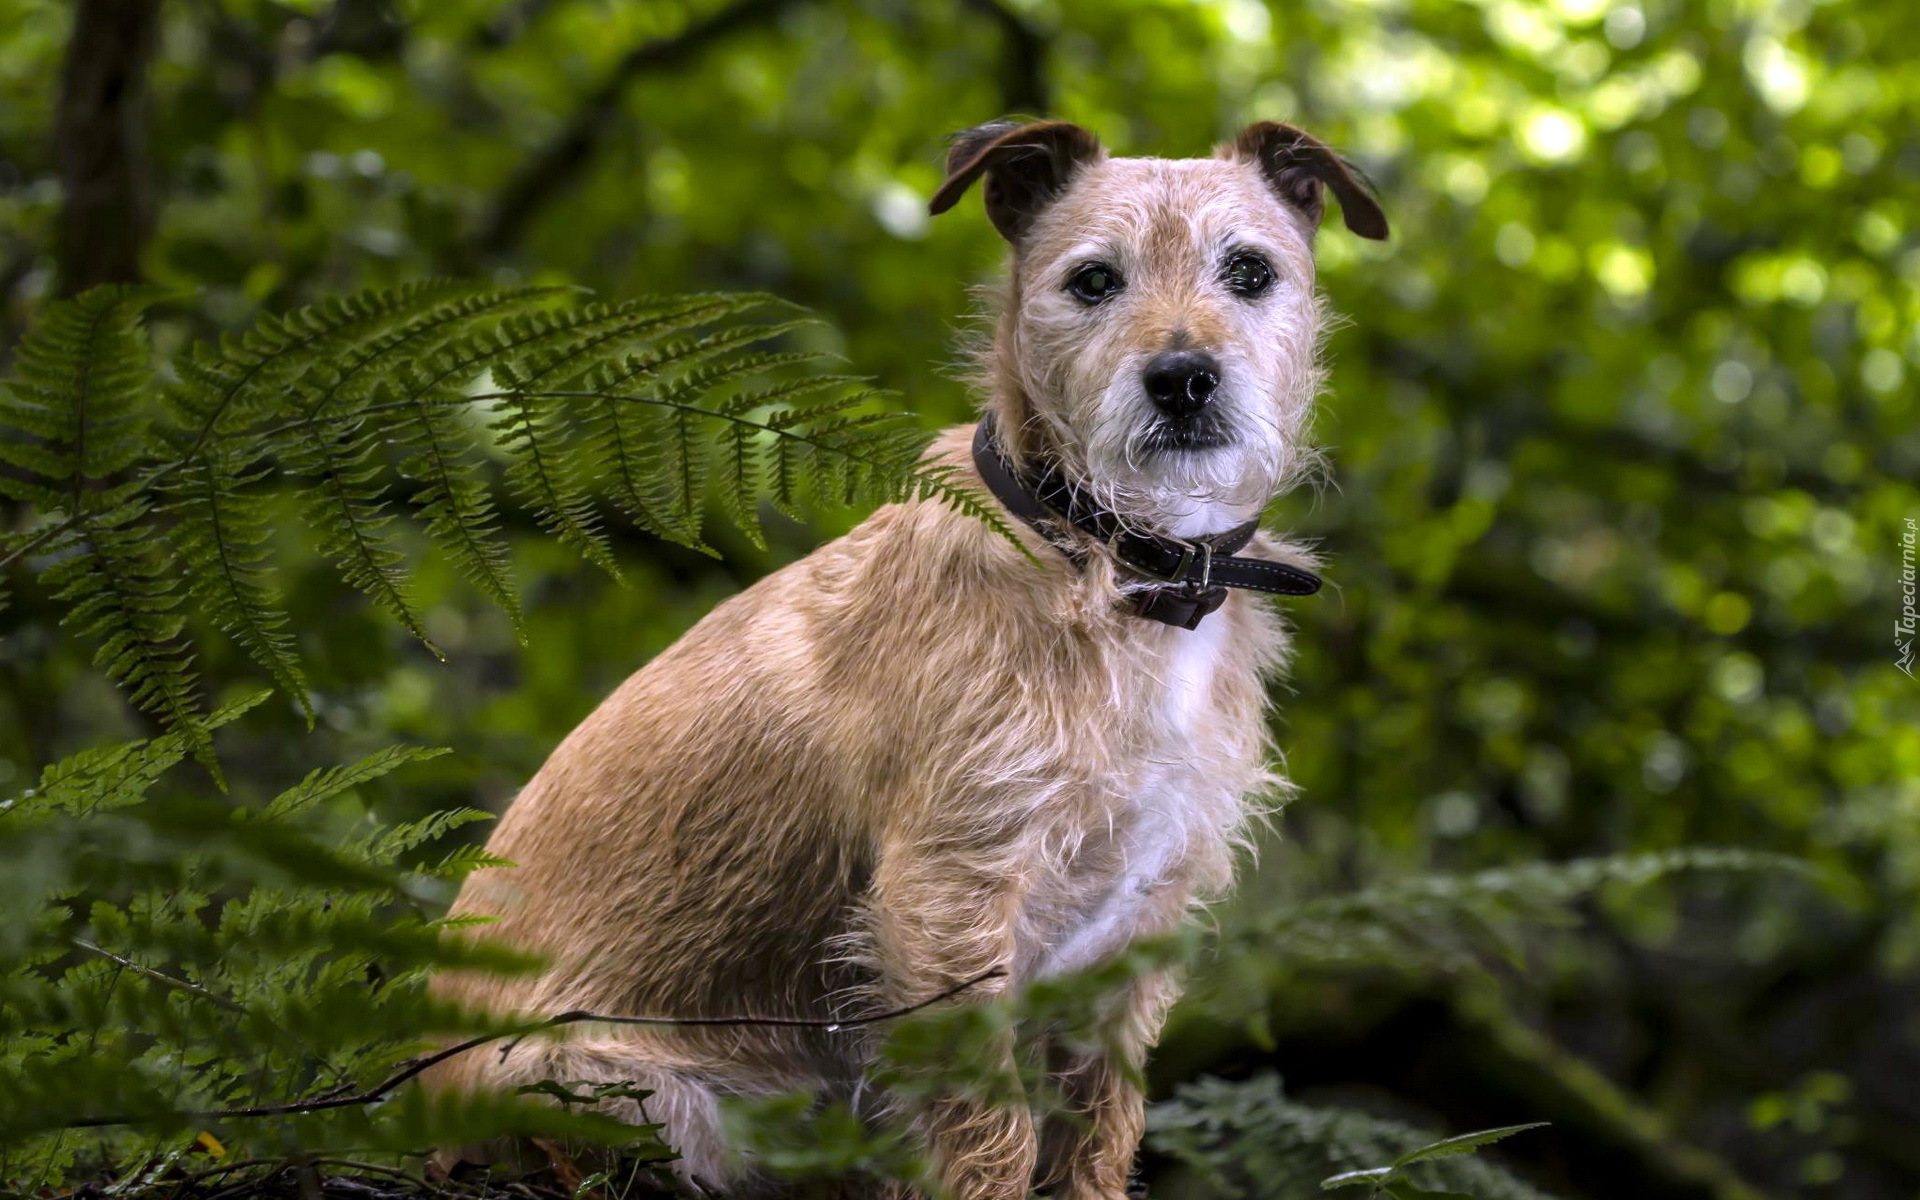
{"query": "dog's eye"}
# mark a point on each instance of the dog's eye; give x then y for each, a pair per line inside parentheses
(1094, 282)
(1249, 274)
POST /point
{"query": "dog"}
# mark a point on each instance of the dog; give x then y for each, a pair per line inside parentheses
(921, 754)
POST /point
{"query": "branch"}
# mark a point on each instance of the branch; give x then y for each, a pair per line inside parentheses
(1023, 61)
(418, 1066)
(552, 168)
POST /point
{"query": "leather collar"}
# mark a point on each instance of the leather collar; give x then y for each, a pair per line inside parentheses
(1193, 573)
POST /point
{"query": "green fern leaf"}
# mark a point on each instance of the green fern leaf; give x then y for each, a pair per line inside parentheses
(457, 509)
(800, 396)
(1465, 1143)
(229, 385)
(71, 418)
(738, 481)
(686, 356)
(323, 785)
(454, 505)
(403, 411)
(116, 776)
(553, 343)
(328, 389)
(350, 518)
(626, 451)
(123, 592)
(222, 539)
(533, 431)
(605, 342)
(386, 846)
(82, 373)
(685, 476)
(464, 861)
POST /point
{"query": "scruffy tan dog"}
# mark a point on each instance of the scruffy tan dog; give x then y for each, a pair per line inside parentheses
(915, 755)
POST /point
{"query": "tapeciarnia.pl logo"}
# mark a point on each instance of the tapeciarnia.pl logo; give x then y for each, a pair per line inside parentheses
(1903, 628)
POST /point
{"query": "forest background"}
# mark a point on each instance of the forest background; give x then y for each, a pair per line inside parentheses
(1623, 434)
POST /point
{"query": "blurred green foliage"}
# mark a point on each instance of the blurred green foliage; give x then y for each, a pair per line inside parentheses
(1248, 1140)
(295, 944)
(1624, 432)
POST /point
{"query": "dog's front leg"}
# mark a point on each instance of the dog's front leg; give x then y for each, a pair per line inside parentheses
(1088, 1151)
(937, 924)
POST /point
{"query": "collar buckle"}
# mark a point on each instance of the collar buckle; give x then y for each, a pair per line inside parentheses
(1190, 550)
(1052, 507)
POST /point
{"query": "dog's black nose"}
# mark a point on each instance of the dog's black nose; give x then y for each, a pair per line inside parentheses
(1182, 381)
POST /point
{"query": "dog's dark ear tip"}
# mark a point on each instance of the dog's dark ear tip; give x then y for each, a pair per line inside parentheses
(1030, 164)
(1369, 222)
(1297, 165)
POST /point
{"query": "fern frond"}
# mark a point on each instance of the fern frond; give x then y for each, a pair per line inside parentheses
(737, 482)
(629, 450)
(1250, 1140)
(71, 419)
(115, 776)
(227, 385)
(465, 860)
(72, 422)
(554, 362)
(222, 538)
(123, 592)
(534, 435)
(387, 845)
(348, 386)
(935, 482)
(457, 510)
(400, 412)
(323, 785)
(454, 506)
(684, 356)
(1442, 921)
(349, 515)
(534, 428)
(888, 449)
(225, 964)
(552, 343)
(545, 339)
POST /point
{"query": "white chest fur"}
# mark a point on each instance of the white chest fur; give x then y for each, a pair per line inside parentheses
(1172, 801)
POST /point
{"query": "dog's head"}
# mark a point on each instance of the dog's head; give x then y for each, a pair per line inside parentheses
(1162, 329)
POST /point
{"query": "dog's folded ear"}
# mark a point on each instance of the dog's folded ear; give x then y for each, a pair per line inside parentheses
(1027, 167)
(1297, 165)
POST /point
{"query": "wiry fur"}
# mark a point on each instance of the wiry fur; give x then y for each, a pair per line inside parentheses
(915, 754)
(1167, 226)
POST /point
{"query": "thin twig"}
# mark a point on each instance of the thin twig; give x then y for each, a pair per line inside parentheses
(831, 1026)
(418, 1066)
(178, 985)
(195, 1178)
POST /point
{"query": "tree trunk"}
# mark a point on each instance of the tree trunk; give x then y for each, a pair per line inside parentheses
(100, 143)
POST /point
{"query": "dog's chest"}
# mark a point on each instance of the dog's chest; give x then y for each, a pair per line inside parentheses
(1170, 802)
